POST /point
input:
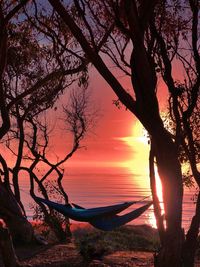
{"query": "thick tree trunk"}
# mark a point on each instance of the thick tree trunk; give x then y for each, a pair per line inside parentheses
(169, 171)
(19, 227)
(6, 249)
(191, 243)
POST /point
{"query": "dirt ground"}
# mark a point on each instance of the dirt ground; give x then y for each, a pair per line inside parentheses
(66, 255)
(52, 256)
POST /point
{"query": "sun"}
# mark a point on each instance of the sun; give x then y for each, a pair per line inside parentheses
(138, 164)
(141, 138)
(139, 132)
(158, 186)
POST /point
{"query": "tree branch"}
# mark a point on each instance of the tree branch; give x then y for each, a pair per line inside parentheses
(52, 76)
(14, 11)
(124, 97)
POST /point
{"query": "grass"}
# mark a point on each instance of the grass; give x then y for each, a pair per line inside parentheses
(94, 243)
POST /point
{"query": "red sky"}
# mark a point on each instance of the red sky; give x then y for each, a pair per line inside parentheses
(118, 138)
(110, 144)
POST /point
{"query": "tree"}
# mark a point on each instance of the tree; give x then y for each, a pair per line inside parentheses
(38, 69)
(132, 27)
(31, 79)
(176, 35)
(34, 136)
(7, 12)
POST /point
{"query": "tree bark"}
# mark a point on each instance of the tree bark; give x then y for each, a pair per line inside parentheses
(19, 227)
(191, 243)
(170, 174)
(6, 248)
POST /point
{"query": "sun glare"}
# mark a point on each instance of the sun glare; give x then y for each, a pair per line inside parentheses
(141, 146)
(152, 219)
(158, 186)
(138, 164)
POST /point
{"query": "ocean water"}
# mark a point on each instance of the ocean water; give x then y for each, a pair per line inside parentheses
(106, 187)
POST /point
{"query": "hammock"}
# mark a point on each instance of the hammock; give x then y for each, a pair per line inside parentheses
(109, 223)
(85, 215)
(103, 218)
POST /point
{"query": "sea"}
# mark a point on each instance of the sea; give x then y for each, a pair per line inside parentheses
(101, 187)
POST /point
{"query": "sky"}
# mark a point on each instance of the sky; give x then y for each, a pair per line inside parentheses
(118, 139)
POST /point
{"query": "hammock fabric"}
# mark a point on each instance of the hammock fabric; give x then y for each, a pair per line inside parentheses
(85, 215)
(103, 218)
(109, 223)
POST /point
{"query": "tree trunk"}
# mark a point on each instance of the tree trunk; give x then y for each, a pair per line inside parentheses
(191, 242)
(169, 171)
(6, 248)
(19, 227)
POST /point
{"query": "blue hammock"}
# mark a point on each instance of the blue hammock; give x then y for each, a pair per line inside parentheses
(109, 223)
(103, 218)
(85, 215)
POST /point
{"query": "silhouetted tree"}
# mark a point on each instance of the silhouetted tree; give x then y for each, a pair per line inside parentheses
(32, 76)
(78, 118)
(177, 40)
(25, 115)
